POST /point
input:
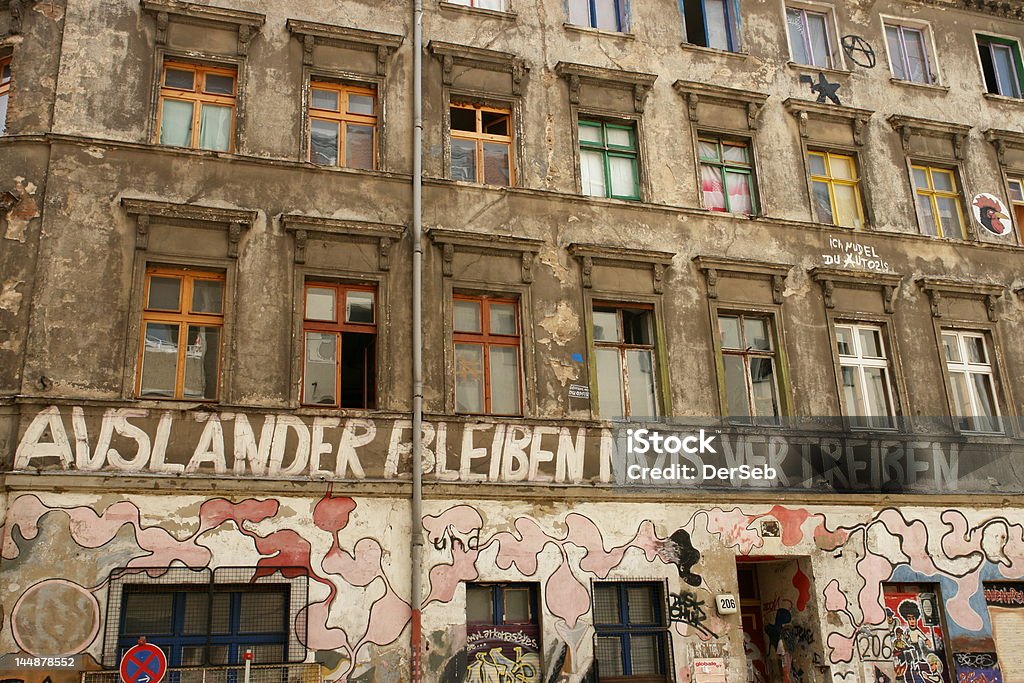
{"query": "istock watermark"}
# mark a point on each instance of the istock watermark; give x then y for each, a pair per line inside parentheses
(643, 442)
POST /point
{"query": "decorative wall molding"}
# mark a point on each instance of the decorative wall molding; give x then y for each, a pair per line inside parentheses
(938, 288)
(887, 283)
(589, 254)
(908, 126)
(236, 221)
(305, 228)
(714, 267)
(451, 55)
(450, 241)
(312, 34)
(694, 93)
(578, 75)
(804, 111)
(1003, 140)
(245, 24)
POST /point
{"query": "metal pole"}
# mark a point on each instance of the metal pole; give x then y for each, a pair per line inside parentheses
(248, 663)
(416, 508)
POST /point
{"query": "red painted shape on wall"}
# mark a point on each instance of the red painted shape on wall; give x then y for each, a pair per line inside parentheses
(803, 587)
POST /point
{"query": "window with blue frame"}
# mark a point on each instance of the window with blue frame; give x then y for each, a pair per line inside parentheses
(198, 626)
(710, 23)
(631, 639)
(607, 15)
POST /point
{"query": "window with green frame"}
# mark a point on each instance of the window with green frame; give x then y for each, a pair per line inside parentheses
(727, 175)
(608, 160)
(1001, 65)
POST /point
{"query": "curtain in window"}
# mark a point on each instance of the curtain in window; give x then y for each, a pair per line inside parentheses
(717, 24)
(711, 184)
(592, 173)
(916, 57)
(215, 128)
(740, 200)
(623, 176)
(176, 123)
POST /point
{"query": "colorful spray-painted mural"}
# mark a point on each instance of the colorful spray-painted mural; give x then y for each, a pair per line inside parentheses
(828, 610)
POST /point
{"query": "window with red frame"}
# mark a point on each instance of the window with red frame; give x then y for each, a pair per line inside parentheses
(340, 345)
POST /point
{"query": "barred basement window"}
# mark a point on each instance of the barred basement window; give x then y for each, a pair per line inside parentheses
(340, 362)
(181, 305)
(481, 144)
(197, 106)
(486, 335)
(631, 634)
(342, 125)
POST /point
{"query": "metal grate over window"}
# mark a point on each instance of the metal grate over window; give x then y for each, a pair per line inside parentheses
(204, 617)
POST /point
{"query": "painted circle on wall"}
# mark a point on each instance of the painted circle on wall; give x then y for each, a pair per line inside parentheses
(992, 214)
(39, 620)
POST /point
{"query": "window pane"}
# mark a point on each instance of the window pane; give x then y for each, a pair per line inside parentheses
(961, 399)
(196, 613)
(517, 605)
(319, 303)
(361, 104)
(496, 163)
(606, 604)
(262, 612)
(730, 329)
(943, 181)
(896, 53)
(870, 343)
(469, 378)
(464, 160)
(844, 341)
(359, 307)
(503, 318)
(192, 655)
(160, 360)
(842, 168)
(221, 618)
(708, 150)
(711, 185)
(207, 296)
(925, 215)
(504, 366)
(579, 12)
(757, 334)
(920, 178)
(640, 365)
(636, 326)
(762, 377)
(951, 346)
(463, 118)
(606, 326)
(822, 203)
(215, 127)
(479, 605)
(847, 208)
(797, 38)
(359, 146)
(323, 142)
(876, 394)
(640, 605)
(609, 383)
(619, 137)
(324, 99)
(467, 316)
(494, 123)
(590, 133)
(1016, 191)
(735, 386)
(202, 357)
(740, 199)
(607, 15)
(736, 153)
(852, 398)
(147, 613)
(986, 415)
(263, 654)
(3, 113)
(180, 79)
(176, 123)
(592, 173)
(491, 4)
(358, 369)
(623, 176)
(219, 84)
(608, 650)
(1005, 70)
(819, 39)
(975, 349)
(717, 24)
(949, 216)
(321, 372)
(164, 293)
(643, 651)
(916, 56)
(817, 164)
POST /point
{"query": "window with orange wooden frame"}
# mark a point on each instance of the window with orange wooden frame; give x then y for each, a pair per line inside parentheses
(342, 125)
(481, 144)
(5, 91)
(340, 342)
(182, 328)
(486, 335)
(197, 106)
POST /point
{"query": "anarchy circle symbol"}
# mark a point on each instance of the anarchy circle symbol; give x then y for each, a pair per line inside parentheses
(859, 51)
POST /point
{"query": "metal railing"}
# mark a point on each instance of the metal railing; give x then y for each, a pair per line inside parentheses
(258, 673)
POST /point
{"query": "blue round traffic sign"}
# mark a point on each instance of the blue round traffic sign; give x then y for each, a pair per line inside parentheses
(143, 663)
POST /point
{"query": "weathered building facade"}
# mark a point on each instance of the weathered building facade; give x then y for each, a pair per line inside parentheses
(803, 215)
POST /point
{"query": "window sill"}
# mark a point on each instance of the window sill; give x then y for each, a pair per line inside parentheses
(505, 15)
(826, 70)
(613, 200)
(700, 49)
(992, 97)
(622, 35)
(923, 86)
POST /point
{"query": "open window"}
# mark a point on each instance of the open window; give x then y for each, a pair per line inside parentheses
(481, 144)
(710, 23)
(340, 342)
(1001, 65)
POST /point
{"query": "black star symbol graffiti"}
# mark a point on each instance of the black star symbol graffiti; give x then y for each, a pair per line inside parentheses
(824, 89)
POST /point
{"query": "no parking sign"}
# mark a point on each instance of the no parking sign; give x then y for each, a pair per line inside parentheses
(143, 663)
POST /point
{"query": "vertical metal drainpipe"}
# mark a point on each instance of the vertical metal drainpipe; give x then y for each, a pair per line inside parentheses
(416, 537)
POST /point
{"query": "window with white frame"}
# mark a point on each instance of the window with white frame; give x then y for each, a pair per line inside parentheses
(909, 57)
(499, 5)
(1001, 65)
(710, 23)
(607, 15)
(749, 363)
(865, 376)
(975, 404)
(810, 39)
